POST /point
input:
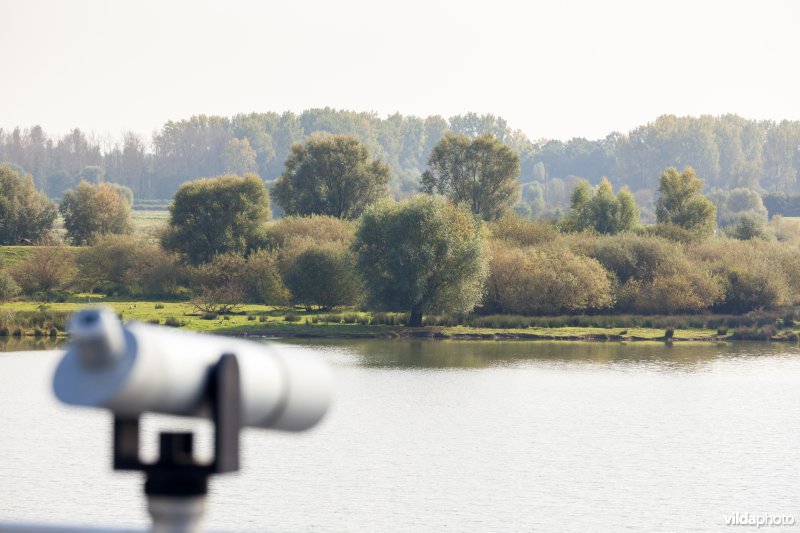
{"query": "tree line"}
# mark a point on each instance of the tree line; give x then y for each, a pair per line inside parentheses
(727, 151)
(455, 248)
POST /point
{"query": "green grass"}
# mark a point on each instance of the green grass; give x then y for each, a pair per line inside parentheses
(147, 223)
(11, 255)
(260, 319)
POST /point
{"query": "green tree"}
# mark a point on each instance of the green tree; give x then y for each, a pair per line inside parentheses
(217, 215)
(25, 213)
(421, 255)
(482, 173)
(748, 227)
(239, 157)
(601, 210)
(93, 210)
(323, 276)
(680, 202)
(330, 175)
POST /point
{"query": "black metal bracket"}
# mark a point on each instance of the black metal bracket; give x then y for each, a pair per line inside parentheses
(177, 473)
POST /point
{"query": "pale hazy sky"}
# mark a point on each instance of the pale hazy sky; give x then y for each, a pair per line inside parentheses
(555, 69)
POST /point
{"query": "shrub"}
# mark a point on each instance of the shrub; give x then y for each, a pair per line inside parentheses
(633, 256)
(324, 277)
(219, 285)
(8, 287)
(315, 229)
(529, 281)
(670, 232)
(251, 317)
(691, 291)
(292, 317)
(747, 228)
(159, 306)
(155, 321)
(53, 332)
(174, 322)
(262, 279)
(521, 231)
(750, 290)
(47, 269)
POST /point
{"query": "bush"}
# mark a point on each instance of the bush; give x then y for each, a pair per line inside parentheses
(691, 291)
(292, 317)
(49, 268)
(751, 290)
(262, 279)
(91, 211)
(632, 256)
(174, 322)
(219, 286)
(8, 287)
(521, 231)
(529, 281)
(670, 232)
(747, 228)
(315, 229)
(159, 306)
(323, 276)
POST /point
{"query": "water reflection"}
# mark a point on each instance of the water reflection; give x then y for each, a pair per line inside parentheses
(422, 353)
(19, 344)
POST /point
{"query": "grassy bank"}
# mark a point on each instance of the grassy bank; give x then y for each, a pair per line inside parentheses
(44, 320)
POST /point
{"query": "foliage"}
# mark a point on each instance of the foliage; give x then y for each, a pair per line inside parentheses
(421, 255)
(481, 173)
(323, 276)
(8, 287)
(262, 279)
(681, 203)
(330, 175)
(529, 281)
(632, 256)
(600, 210)
(217, 216)
(748, 227)
(734, 204)
(751, 290)
(521, 231)
(90, 211)
(48, 269)
(124, 265)
(315, 228)
(219, 285)
(25, 213)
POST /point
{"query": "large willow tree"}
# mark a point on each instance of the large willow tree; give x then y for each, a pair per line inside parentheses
(421, 255)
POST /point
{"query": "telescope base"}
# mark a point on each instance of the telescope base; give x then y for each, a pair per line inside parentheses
(176, 514)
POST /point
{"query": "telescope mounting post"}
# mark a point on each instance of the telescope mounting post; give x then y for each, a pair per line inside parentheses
(177, 484)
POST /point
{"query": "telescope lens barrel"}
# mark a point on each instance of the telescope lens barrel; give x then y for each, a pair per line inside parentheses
(136, 368)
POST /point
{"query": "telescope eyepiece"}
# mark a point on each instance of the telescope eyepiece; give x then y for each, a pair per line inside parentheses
(99, 336)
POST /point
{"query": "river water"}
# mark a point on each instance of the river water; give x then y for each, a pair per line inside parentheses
(457, 436)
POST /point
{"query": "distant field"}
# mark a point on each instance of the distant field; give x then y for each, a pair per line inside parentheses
(147, 223)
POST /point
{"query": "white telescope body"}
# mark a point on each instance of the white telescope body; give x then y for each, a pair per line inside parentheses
(136, 368)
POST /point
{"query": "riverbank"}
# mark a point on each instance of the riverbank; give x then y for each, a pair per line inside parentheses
(22, 319)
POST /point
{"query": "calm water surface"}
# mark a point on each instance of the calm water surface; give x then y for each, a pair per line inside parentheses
(457, 436)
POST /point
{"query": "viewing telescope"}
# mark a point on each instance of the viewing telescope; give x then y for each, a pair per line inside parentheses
(136, 368)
